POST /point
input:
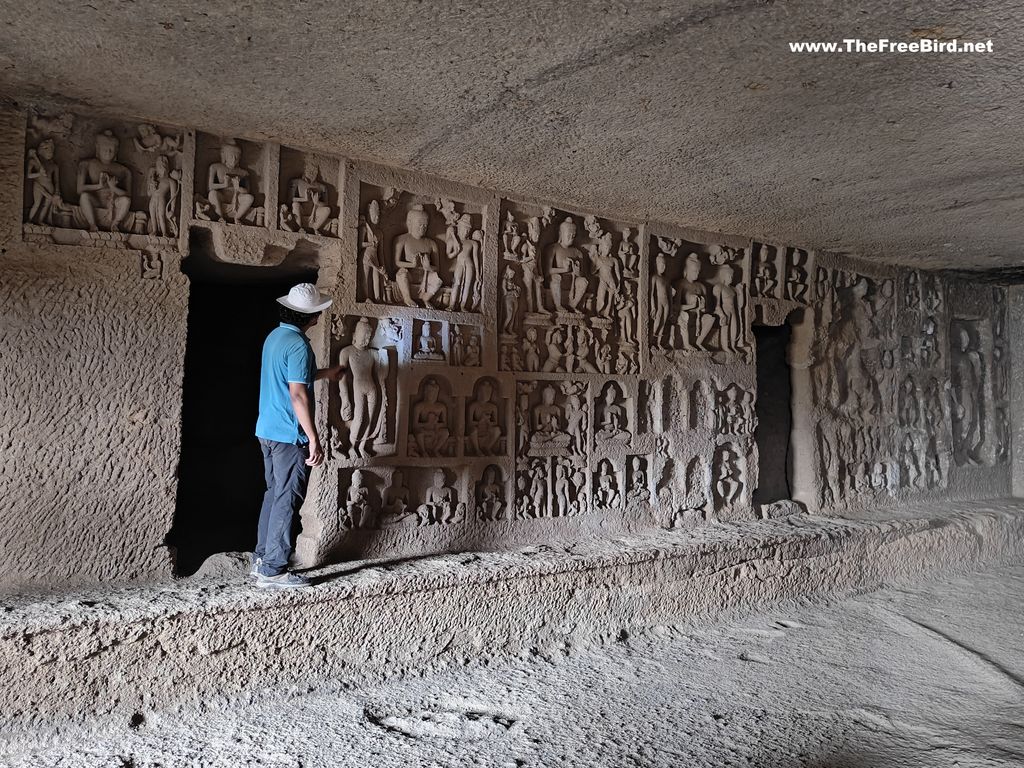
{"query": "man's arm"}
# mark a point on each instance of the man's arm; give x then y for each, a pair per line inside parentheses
(331, 374)
(303, 408)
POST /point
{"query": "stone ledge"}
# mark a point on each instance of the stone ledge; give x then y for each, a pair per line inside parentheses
(116, 652)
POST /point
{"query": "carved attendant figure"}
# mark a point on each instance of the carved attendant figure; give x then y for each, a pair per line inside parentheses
(576, 420)
(728, 483)
(162, 187)
(150, 140)
(609, 276)
(538, 491)
(796, 276)
(766, 278)
(695, 322)
(607, 486)
(472, 358)
(966, 394)
(661, 301)
(228, 184)
(531, 278)
(510, 293)
(629, 253)
(374, 276)
(531, 350)
(553, 340)
(358, 502)
(563, 490)
(908, 406)
(492, 496)
(414, 250)
(104, 183)
(396, 497)
(465, 250)
(362, 407)
(456, 347)
(565, 261)
(626, 310)
(44, 174)
(729, 310)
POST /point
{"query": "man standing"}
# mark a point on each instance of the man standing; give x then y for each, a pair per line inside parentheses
(287, 432)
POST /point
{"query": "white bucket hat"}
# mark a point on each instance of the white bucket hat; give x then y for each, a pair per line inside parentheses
(305, 298)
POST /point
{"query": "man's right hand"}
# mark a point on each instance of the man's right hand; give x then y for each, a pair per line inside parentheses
(316, 453)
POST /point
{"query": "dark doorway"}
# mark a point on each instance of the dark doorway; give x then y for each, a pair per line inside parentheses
(231, 309)
(774, 413)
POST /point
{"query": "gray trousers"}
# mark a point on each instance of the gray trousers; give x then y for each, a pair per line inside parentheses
(287, 474)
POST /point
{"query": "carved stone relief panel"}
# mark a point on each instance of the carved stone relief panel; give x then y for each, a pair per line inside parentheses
(704, 464)
(400, 497)
(433, 431)
(734, 410)
(1000, 377)
(608, 485)
(968, 406)
(552, 418)
(638, 479)
(729, 475)
(112, 181)
(798, 270)
(613, 421)
(308, 193)
(655, 404)
(698, 299)
(417, 251)
(492, 495)
(428, 344)
(465, 345)
(883, 375)
(551, 486)
(232, 181)
(486, 429)
(766, 282)
(363, 405)
(568, 287)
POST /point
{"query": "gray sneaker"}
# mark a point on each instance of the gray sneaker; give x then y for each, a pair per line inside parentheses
(284, 580)
(254, 571)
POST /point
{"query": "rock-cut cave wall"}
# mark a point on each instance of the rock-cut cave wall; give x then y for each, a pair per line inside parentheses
(522, 370)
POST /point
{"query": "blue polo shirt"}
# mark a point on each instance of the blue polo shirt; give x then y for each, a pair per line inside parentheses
(287, 358)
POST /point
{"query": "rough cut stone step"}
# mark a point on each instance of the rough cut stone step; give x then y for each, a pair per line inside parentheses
(118, 652)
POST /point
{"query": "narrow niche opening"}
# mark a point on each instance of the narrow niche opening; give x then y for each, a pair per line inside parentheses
(231, 310)
(774, 412)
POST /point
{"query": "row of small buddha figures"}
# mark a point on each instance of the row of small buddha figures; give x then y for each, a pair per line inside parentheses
(556, 488)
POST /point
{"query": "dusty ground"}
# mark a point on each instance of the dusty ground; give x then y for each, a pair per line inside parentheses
(931, 676)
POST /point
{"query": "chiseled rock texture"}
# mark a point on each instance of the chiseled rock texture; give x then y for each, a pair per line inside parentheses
(118, 653)
(90, 387)
(624, 399)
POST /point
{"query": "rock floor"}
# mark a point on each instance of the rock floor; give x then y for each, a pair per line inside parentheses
(927, 676)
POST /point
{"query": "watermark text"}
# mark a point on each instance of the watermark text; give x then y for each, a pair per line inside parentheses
(885, 45)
